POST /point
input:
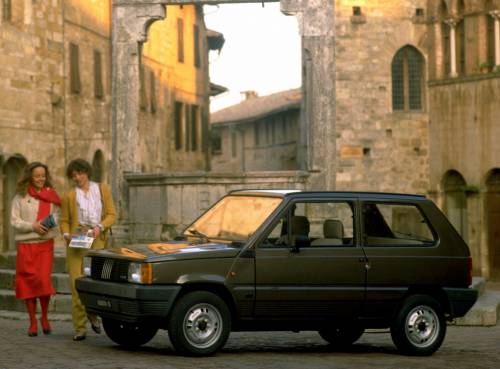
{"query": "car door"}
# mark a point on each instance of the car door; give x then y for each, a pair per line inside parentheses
(310, 276)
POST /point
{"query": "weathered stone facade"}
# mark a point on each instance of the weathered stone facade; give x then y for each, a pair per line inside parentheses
(259, 134)
(55, 92)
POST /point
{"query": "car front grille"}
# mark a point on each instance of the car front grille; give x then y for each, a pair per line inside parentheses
(109, 269)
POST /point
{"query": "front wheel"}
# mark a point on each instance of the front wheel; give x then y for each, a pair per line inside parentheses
(341, 336)
(128, 334)
(419, 327)
(199, 324)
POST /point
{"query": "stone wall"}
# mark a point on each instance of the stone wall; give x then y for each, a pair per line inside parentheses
(378, 149)
(160, 206)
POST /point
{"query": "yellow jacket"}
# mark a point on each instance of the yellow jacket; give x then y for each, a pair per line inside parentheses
(69, 212)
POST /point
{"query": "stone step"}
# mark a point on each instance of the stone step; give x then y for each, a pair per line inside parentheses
(60, 281)
(485, 311)
(60, 303)
(8, 261)
(479, 284)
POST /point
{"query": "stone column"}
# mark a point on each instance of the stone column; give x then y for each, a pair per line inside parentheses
(130, 22)
(452, 23)
(317, 146)
(496, 15)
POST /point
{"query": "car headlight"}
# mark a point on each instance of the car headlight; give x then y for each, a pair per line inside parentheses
(87, 266)
(140, 273)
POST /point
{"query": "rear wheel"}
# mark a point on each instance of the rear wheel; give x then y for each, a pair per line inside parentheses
(419, 327)
(341, 336)
(200, 324)
(128, 334)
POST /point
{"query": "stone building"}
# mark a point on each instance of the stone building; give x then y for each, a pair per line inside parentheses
(259, 134)
(417, 89)
(55, 91)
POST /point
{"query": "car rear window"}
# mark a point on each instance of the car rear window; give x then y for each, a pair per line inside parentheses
(386, 224)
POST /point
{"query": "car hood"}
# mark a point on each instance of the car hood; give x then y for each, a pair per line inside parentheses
(172, 250)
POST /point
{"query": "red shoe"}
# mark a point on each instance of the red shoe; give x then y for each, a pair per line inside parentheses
(33, 330)
(45, 327)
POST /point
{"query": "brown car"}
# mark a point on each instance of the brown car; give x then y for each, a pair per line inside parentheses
(334, 262)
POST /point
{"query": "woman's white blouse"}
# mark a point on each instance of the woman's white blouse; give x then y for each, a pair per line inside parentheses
(89, 205)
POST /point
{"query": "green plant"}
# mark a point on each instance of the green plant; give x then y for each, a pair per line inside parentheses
(470, 189)
(485, 65)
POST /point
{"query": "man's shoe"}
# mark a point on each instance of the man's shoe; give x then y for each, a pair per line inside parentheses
(79, 337)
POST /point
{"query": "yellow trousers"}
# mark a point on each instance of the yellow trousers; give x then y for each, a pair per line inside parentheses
(74, 261)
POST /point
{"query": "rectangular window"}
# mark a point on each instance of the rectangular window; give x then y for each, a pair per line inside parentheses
(6, 10)
(194, 127)
(179, 115)
(74, 68)
(152, 91)
(395, 225)
(187, 127)
(256, 134)
(143, 100)
(234, 144)
(273, 131)
(216, 142)
(196, 41)
(98, 86)
(180, 40)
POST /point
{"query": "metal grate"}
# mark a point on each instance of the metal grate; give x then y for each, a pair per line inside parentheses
(109, 269)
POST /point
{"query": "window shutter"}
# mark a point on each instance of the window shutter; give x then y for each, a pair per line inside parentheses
(178, 124)
(74, 55)
(180, 40)
(194, 127)
(196, 41)
(142, 91)
(98, 87)
(152, 82)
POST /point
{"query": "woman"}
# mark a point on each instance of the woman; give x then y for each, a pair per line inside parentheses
(89, 209)
(34, 214)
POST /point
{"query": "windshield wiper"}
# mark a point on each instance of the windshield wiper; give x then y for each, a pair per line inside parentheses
(197, 233)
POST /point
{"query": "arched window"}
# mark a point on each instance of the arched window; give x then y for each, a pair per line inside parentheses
(490, 33)
(445, 41)
(98, 166)
(407, 79)
(11, 171)
(460, 39)
(492, 207)
(455, 201)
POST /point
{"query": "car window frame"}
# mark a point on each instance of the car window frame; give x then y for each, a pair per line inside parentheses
(432, 229)
(287, 207)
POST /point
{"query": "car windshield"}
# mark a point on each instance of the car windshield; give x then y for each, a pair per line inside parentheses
(234, 218)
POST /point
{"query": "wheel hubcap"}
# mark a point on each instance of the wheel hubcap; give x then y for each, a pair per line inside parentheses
(422, 326)
(203, 325)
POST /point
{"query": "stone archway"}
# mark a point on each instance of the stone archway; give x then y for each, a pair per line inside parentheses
(492, 211)
(98, 167)
(11, 171)
(455, 201)
(130, 22)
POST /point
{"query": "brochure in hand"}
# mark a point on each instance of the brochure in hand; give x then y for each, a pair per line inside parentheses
(81, 241)
(48, 221)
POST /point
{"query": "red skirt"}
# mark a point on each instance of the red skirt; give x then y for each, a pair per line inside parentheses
(33, 269)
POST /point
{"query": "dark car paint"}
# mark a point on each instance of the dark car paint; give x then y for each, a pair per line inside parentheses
(286, 287)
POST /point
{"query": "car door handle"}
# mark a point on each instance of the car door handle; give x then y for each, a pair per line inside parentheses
(362, 260)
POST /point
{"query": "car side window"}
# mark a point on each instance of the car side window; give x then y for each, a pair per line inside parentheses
(316, 224)
(395, 224)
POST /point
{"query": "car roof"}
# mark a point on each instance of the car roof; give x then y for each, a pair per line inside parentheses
(319, 194)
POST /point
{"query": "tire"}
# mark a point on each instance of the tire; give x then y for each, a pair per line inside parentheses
(341, 336)
(129, 335)
(419, 328)
(199, 324)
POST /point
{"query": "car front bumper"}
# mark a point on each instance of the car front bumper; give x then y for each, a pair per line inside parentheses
(126, 301)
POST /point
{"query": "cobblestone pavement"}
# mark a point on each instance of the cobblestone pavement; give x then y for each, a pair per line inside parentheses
(464, 347)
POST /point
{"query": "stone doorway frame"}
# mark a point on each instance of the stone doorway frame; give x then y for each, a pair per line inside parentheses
(131, 20)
